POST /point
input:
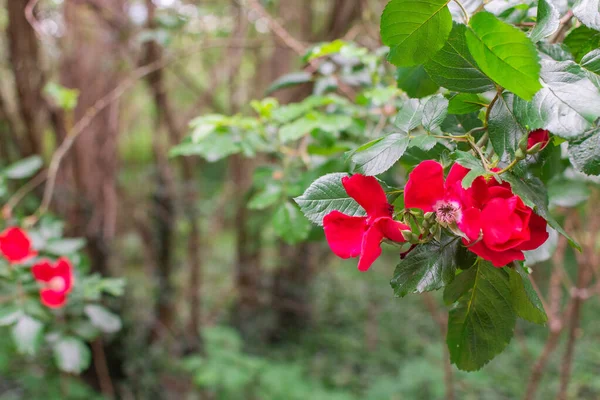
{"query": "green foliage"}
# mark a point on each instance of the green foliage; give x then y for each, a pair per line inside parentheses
(415, 81)
(584, 153)
(24, 168)
(547, 21)
(504, 127)
(525, 299)
(379, 155)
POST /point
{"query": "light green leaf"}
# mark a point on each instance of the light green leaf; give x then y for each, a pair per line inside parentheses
(24, 168)
(525, 299)
(415, 29)
(289, 80)
(505, 54)
(434, 112)
(410, 115)
(27, 335)
(427, 267)
(564, 192)
(290, 224)
(214, 149)
(103, 319)
(297, 129)
(584, 153)
(588, 12)
(266, 197)
(381, 156)
(581, 41)
(482, 324)
(591, 64)
(548, 21)
(567, 105)
(72, 355)
(64, 247)
(415, 81)
(453, 66)
(464, 103)
(504, 128)
(9, 314)
(471, 162)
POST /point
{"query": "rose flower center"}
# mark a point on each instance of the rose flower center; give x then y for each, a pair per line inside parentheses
(447, 212)
(57, 284)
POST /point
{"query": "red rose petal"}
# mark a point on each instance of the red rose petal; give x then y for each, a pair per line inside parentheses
(344, 233)
(367, 192)
(425, 186)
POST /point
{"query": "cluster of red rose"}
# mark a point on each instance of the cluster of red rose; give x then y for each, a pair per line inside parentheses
(55, 279)
(494, 223)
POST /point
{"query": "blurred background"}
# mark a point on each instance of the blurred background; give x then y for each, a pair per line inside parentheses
(221, 302)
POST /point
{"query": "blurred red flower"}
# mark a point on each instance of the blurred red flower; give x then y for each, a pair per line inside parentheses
(15, 245)
(56, 281)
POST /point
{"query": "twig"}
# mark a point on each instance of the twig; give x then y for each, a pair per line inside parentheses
(31, 18)
(16, 198)
(106, 385)
(565, 24)
(464, 10)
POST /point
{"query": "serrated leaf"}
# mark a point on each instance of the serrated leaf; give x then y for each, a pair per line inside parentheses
(525, 299)
(410, 115)
(464, 103)
(581, 41)
(381, 156)
(591, 64)
(471, 162)
(585, 153)
(548, 21)
(415, 81)
(427, 267)
(588, 12)
(435, 111)
(24, 168)
(567, 105)
(505, 54)
(482, 324)
(27, 335)
(72, 355)
(103, 319)
(453, 66)
(461, 284)
(289, 80)
(289, 224)
(504, 129)
(423, 142)
(415, 29)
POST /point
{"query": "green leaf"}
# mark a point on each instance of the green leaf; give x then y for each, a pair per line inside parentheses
(289, 80)
(219, 146)
(505, 54)
(584, 153)
(525, 299)
(533, 193)
(64, 247)
(381, 156)
(588, 12)
(415, 81)
(581, 41)
(9, 314)
(464, 103)
(563, 192)
(453, 66)
(72, 355)
(504, 128)
(24, 168)
(423, 142)
(294, 111)
(427, 267)
(471, 162)
(461, 284)
(103, 319)
(567, 105)
(266, 197)
(27, 335)
(410, 115)
(434, 112)
(548, 21)
(591, 64)
(482, 324)
(297, 129)
(63, 97)
(415, 29)
(290, 224)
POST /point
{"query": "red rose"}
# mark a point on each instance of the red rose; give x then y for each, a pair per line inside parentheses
(15, 245)
(56, 281)
(361, 236)
(540, 136)
(499, 225)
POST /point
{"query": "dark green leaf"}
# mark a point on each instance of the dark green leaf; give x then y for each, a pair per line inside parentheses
(504, 129)
(581, 41)
(482, 324)
(427, 267)
(548, 21)
(289, 80)
(464, 103)
(24, 168)
(415, 29)
(434, 112)
(585, 153)
(381, 156)
(505, 54)
(461, 284)
(410, 115)
(290, 225)
(588, 12)
(525, 299)
(567, 105)
(72, 355)
(415, 81)
(453, 67)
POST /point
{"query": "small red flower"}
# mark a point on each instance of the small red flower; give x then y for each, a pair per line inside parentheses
(538, 136)
(56, 281)
(361, 236)
(15, 245)
(499, 225)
